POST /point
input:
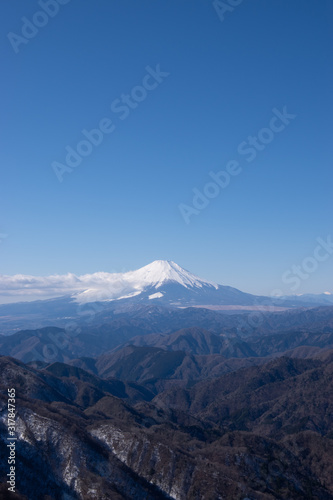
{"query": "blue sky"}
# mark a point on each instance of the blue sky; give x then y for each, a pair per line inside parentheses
(119, 208)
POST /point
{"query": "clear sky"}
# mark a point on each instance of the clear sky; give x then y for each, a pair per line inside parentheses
(220, 76)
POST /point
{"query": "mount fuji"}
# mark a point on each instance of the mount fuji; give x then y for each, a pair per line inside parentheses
(163, 282)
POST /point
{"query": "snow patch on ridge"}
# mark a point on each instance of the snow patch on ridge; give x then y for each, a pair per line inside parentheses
(129, 296)
(157, 295)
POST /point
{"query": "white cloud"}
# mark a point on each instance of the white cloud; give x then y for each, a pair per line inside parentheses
(97, 286)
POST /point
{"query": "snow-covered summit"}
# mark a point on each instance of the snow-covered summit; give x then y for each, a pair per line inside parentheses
(105, 286)
(161, 282)
(160, 272)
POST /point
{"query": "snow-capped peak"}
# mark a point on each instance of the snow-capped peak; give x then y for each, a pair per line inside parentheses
(160, 272)
(104, 286)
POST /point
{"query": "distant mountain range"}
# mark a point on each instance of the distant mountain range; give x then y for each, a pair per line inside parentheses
(162, 283)
(195, 330)
(319, 299)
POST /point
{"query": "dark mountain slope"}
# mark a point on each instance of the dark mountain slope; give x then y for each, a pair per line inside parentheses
(112, 450)
(198, 341)
(125, 390)
(279, 398)
(158, 369)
